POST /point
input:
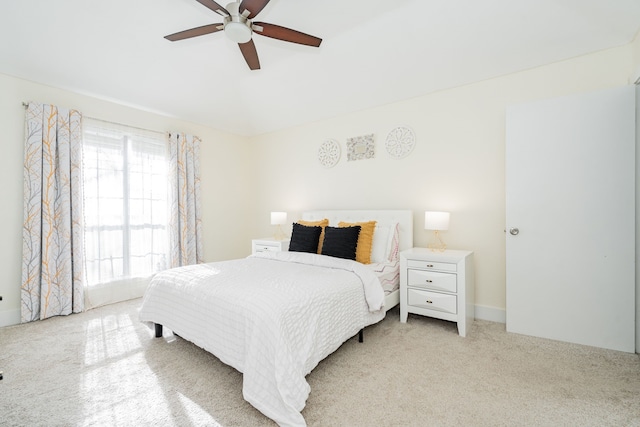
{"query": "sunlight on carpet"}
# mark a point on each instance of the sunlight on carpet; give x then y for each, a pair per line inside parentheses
(105, 339)
(195, 412)
(112, 349)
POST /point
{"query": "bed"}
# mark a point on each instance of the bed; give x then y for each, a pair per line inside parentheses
(275, 315)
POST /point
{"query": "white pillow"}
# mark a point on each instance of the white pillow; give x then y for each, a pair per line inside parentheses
(382, 242)
(394, 244)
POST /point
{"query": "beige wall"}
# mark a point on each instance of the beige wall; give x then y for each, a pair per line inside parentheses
(227, 181)
(457, 164)
(635, 48)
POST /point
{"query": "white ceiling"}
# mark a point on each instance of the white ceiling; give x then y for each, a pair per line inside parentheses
(373, 52)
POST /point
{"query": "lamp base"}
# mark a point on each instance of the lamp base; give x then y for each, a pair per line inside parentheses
(279, 234)
(439, 246)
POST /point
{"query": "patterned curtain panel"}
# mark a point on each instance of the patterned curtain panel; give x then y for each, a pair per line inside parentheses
(52, 265)
(185, 224)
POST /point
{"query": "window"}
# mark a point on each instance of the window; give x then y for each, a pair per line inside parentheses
(125, 202)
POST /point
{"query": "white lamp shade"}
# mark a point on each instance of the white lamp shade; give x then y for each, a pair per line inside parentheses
(278, 218)
(436, 221)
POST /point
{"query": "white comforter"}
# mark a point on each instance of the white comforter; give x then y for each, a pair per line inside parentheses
(272, 316)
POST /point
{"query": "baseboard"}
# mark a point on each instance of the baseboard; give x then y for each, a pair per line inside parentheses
(491, 314)
(9, 317)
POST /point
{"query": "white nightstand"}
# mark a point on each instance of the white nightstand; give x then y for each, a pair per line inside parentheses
(269, 244)
(437, 284)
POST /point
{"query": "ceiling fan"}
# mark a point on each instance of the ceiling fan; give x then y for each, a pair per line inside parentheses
(239, 27)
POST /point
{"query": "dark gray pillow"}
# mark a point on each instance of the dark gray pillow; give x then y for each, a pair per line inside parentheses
(304, 238)
(341, 242)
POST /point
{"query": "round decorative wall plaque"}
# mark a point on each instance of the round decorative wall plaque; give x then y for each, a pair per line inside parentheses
(329, 153)
(400, 142)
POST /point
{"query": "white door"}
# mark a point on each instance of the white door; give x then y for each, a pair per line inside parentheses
(570, 200)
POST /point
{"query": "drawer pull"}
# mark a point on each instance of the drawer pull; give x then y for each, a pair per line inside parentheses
(429, 301)
(430, 265)
(429, 281)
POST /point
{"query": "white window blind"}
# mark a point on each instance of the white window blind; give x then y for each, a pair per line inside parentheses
(125, 203)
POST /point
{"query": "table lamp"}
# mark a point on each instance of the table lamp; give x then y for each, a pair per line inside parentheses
(436, 221)
(279, 219)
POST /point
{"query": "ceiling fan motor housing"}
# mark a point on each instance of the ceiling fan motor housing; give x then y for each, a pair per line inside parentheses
(236, 26)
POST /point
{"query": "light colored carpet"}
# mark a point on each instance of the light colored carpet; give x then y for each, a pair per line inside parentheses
(104, 368)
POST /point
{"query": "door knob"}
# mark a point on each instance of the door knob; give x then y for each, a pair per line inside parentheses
(514, 231)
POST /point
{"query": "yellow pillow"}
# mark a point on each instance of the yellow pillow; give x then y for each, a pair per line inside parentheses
(365, 239)
(322, 223)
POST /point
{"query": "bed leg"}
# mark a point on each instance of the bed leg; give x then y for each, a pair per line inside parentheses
(158, 330)
(361, 335)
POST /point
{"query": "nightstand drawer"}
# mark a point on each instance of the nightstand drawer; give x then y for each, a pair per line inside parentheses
(269, 245)
(431, 280)
(428, 265)
(432, 300)
(267, 248)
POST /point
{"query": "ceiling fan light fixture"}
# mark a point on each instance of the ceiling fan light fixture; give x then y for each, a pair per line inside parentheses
(238, 32)
(239, 28)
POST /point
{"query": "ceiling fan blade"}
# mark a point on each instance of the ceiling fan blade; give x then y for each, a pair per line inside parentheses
(194, 32)
(286, 34)
(250, 54)
(214, 6)
(253, 7)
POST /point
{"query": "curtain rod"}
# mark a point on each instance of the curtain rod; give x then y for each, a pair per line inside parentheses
(129, 126)
(26, 104)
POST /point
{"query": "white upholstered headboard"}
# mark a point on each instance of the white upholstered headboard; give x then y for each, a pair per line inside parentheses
(384, 217)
